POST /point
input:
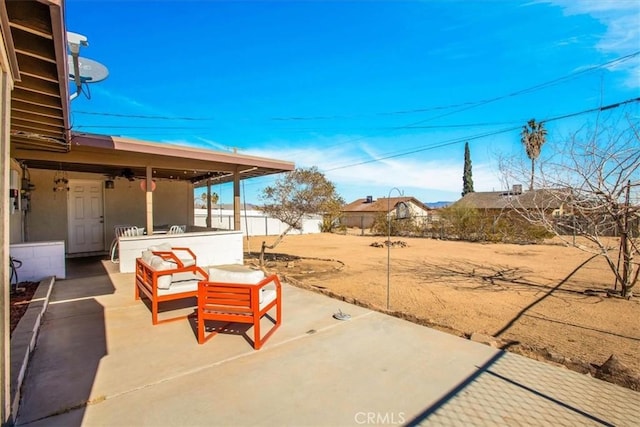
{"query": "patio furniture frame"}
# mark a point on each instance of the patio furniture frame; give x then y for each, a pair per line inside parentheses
(147, 282)
(239, 303)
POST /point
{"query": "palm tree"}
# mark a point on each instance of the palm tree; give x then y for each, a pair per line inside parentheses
(533, 137)
(214, 198)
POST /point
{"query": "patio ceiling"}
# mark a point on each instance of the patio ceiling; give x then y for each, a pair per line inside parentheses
(36, 42)
(128, 158)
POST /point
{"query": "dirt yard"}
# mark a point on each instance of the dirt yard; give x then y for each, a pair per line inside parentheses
(543, 301)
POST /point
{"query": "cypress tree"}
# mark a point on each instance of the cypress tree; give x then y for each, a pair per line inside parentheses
(467, 179)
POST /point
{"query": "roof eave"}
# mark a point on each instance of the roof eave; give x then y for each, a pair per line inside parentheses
(154, 148)
(8, 47)
(56, 8)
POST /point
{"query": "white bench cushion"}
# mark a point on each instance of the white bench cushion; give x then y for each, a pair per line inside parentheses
(162, 247)
(158, 264)
(179, 287)
(266, 296)
(235, 273)
(185, 258)
(187, 262)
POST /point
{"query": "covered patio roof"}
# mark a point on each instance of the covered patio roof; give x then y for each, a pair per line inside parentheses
(128, 158)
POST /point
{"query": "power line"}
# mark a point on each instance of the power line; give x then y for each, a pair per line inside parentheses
(469, 138)
(425, 148)
(593, 110)
(308, 129)
(465, 105)
(509, 95)
(143, 116)
(137, 127)
(474, 137)
(473, 104)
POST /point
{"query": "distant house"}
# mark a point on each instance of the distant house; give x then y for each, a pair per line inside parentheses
(551, 201)
(362, 212)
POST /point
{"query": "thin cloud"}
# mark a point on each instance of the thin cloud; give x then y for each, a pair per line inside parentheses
(209, 143)
(121, 99)
(415, 175)
(567, 42)
(620, 18)
(124, 102)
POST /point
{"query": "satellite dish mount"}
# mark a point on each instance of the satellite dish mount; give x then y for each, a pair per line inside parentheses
(82, 70)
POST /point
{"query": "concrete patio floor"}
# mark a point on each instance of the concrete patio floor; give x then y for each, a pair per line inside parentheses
(99, 361)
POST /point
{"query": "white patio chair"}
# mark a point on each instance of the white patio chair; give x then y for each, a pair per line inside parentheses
(121, 231)
(177, 229)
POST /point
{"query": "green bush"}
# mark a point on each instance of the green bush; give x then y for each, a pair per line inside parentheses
(475, 225)
(331, 224)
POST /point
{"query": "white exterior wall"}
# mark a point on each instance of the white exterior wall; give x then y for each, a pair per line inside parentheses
(39, 260)
(210, 247)
(257, 223)
(420, 215)
(123, 205)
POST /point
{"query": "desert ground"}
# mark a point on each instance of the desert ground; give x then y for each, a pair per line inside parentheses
(545, 301)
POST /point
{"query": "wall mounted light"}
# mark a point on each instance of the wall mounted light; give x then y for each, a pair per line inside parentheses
(60, 181)
(109, 184)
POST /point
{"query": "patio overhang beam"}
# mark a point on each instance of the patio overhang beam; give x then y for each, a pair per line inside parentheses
(113, 156)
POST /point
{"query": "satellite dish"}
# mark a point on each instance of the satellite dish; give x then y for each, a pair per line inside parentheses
(90, 71)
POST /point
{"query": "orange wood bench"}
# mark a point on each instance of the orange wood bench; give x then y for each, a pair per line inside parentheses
(163, 276)
(239, 303)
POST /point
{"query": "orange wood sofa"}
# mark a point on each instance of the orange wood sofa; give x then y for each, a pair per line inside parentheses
(239, 303)
(167, 275)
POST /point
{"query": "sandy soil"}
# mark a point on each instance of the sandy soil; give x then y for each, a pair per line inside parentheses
(530, 298)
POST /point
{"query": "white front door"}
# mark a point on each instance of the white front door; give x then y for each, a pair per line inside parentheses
(85, 216)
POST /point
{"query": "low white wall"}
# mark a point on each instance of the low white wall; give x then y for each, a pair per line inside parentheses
(210, 247)
(39, 260)
(256, 222)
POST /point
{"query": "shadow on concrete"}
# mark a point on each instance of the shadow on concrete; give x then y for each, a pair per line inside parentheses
(229, 328)
(85, 267)
(171, 309)
(63, 369)
(218, 327)
(424, 415)
(485, 370)
(70, 345)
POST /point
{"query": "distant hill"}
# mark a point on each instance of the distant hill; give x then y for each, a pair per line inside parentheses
(436, 205)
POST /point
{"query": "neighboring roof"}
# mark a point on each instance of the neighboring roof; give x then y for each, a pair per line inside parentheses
(116, 156)
(381, 205)
(36, 42)
(542, 198)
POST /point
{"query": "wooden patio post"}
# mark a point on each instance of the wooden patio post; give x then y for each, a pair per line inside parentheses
(208, 223)
(149, 201)
(236, 198)
(6, 84)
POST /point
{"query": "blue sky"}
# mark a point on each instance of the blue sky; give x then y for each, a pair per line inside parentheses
(376, 94)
